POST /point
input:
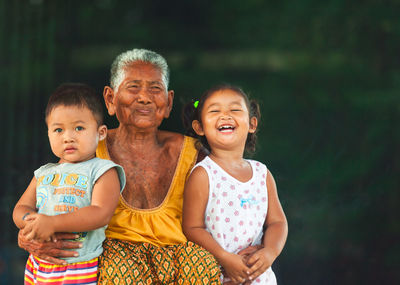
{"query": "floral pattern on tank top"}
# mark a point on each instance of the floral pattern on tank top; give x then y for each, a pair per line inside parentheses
(236, 210)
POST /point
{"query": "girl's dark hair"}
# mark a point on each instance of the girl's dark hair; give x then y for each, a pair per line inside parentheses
(192, 112)
(76, 94)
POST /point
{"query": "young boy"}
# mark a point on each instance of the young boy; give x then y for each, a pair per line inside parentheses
(78, 194)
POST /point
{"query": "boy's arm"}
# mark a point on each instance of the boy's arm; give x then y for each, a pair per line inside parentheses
(275, 234)
(105, 197)
(194, 206)
(45, 250)
(26, 205)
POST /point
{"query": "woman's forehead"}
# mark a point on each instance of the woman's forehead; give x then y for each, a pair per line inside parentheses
(142, 71)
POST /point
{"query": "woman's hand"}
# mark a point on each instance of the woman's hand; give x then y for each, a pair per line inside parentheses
(51, 251)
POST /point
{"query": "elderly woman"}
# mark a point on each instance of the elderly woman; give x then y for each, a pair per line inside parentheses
(145, 243)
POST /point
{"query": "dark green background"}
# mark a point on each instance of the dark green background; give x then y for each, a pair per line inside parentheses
(327, 75)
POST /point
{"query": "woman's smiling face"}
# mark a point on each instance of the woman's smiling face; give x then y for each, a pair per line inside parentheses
(141, 99)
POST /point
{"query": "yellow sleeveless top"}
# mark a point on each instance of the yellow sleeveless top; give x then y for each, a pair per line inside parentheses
(162, 225)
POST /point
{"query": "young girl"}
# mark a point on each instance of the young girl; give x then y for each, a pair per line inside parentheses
(231, 205)
(77, 194)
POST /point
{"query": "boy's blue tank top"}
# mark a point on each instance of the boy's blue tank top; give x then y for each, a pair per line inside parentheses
(66, 187)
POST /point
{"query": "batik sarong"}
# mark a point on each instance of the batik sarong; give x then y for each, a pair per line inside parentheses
(124, 262)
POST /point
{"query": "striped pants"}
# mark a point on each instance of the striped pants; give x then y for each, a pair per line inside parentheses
(38, 271)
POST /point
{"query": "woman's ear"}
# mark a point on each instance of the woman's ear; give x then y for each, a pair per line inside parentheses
(109, 96)
(170, 98)
(253, 125)
(102, 132)
(196, 125)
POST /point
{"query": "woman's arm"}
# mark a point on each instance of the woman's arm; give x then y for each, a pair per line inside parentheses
(275, 234)
(194, 206)
(105, 197)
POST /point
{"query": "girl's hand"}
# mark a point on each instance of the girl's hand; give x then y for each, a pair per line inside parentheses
(235, 268)
(248, 251)
(259, 262)
(39, 227)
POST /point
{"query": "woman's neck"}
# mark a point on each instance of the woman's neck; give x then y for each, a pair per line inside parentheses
(132, 138)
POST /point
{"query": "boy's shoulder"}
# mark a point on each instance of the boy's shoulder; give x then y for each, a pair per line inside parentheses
(47, 166)
(94, 163)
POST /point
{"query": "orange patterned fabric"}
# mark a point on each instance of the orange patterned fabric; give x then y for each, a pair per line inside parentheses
(125, 263)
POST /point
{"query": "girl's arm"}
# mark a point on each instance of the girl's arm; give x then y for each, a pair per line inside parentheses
(275, 234)
(105, 197)
(26, 205)
(194, 206)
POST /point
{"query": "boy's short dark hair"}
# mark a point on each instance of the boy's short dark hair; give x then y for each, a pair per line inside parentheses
(76, 94)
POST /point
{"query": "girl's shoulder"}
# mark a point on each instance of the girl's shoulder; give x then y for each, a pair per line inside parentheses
(204, 163)
(257, 164)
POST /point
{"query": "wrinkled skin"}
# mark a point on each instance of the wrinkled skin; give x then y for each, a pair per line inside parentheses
(49, 250)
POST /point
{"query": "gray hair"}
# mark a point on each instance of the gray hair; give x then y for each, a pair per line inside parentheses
(130, 56)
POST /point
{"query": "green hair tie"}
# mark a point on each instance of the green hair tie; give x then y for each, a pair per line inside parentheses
(195, 104)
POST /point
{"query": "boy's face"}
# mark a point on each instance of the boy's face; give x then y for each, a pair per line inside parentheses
(73, 133)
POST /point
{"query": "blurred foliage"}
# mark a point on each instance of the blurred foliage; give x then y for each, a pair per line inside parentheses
(327, 75)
